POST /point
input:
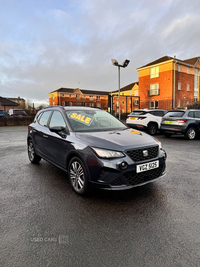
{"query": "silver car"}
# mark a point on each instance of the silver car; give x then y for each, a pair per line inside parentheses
(185, 122)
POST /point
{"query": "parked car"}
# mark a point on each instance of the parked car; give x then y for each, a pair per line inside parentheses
(17, 113)
(95, 148)
(146, 119)
(2, 113)
(185, 122)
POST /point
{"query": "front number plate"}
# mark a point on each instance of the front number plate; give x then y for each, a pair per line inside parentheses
(147, 166)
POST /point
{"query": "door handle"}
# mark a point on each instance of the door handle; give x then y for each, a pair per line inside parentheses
(45, 136)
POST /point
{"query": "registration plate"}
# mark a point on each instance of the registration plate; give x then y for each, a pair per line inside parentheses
(132, 118)
(147, 166)
(168, 121)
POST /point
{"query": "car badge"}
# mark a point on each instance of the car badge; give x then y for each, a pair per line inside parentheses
(145, 153)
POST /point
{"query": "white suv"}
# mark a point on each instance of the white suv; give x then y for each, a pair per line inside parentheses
(146, 119)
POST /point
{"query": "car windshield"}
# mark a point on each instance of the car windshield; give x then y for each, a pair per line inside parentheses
(138, 112)
(174, 114)
(93, 121)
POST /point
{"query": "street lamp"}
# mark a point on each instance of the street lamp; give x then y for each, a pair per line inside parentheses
(124, 65)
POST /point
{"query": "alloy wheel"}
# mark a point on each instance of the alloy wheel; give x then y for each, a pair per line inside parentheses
(77, 176)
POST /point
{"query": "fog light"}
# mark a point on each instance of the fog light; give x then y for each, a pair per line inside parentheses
(123, 165)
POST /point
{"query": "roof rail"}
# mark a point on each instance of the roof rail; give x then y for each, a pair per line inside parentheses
(54, 107)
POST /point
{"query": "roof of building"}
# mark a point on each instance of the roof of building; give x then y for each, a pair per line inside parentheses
(7, 102)
(83, 91)
(15, 98)
(126, 88)
(191, 61)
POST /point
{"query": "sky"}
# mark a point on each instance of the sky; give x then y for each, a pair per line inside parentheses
(45, 45)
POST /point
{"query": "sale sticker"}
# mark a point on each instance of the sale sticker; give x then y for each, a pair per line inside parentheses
(87, 120)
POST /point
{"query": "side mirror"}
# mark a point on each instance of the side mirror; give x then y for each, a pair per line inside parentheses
(59, 130)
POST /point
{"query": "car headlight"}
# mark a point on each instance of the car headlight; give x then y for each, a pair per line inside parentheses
(108, 154)
(159, 143)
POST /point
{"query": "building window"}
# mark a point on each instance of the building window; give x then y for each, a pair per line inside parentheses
(179, 68)
(154, 104)
(187, 102)
(98, 98)
(188, 70)
(98, 105)
(154, 89)
(52, 96)
(122, 102)
(136, 92)
(63, 95)
(136, 102)
(188, 87)
(91, 97)
(78, 96)
(154, 72)
(70, 95)
(179, 103)
(179, 85)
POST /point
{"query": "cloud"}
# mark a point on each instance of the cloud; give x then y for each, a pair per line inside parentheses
(181, 24)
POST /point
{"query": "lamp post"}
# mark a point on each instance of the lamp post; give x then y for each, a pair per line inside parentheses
(124, 65)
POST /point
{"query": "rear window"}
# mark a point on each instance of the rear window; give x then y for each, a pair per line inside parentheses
(138, 112)
(18, 111)
(175, 114)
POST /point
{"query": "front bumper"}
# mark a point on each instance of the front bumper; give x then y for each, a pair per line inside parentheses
(116, 179)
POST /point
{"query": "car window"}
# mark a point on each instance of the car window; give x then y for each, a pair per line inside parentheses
(43, 120)
(151, 112)
(57, 120)
(95, 120)
(191, 114)
(197, 114)
(138, 112)
(159, 113)
(175, 114)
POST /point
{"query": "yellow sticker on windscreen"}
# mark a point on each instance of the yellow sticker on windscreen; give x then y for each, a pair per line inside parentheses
(81, 118)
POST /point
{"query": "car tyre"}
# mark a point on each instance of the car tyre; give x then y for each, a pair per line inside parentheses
(152, 128)
(191, 133)
(33, 157)
(78, 176)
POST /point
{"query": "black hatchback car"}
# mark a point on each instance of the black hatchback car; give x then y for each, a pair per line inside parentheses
(185, 122)
(94, 148)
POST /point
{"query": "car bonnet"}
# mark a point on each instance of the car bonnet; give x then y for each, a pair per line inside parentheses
(117, 140)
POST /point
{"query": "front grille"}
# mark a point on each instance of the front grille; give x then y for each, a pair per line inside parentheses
(117, 182)
(139, 178)
(137, 154)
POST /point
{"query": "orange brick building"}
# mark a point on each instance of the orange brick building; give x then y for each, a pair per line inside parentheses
(168, 83)
(78, 97)
(129, 99)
